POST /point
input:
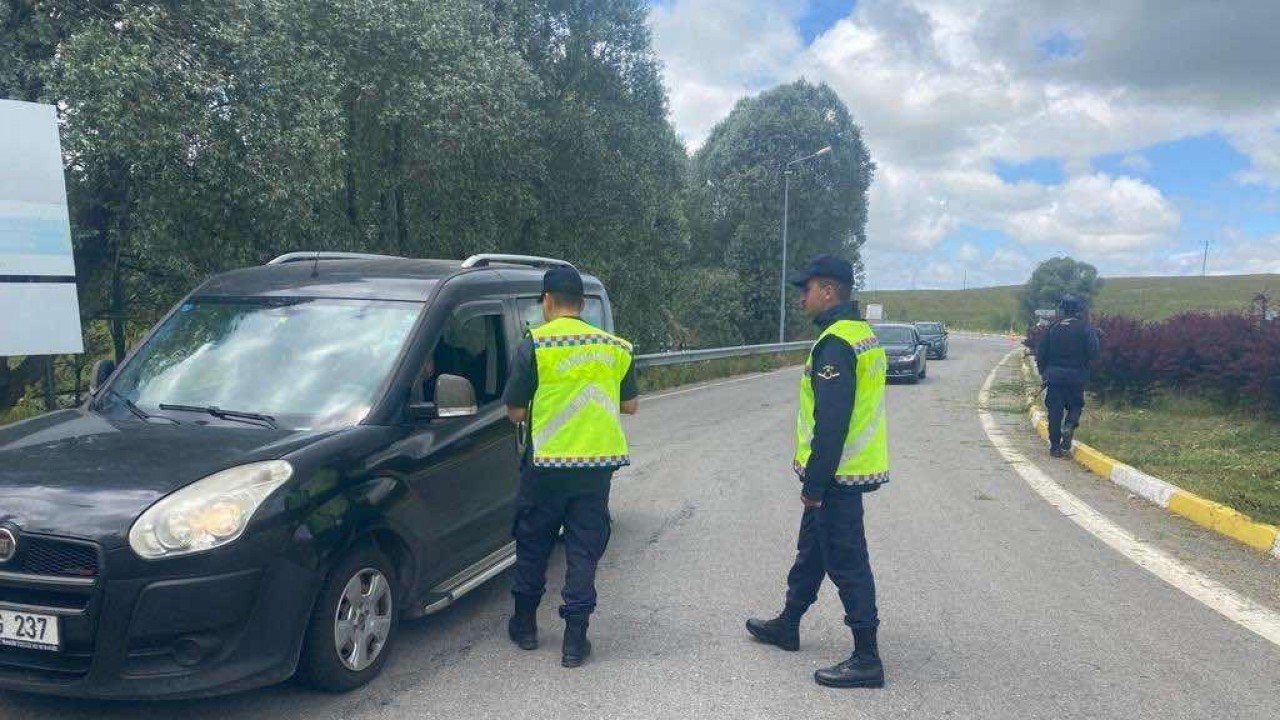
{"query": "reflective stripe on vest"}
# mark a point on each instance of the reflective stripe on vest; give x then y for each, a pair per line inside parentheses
(864, 459)
(574, 418)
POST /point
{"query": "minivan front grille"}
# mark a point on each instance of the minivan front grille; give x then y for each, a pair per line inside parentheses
(39, 555)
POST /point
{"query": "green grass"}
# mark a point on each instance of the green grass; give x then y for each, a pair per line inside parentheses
(1148, 298)
(1232, 458)
(19, 412)
(661, 378)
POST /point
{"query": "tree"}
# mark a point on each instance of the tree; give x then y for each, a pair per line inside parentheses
(205, 135)
(736, 194)
(608, 196)
(1054, 278)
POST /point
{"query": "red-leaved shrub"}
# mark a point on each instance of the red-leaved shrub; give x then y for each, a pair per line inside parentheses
(1233, 359)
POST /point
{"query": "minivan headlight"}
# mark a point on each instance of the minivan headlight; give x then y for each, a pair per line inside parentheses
(208, 513)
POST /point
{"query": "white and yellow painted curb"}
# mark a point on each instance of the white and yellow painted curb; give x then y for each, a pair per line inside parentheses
(1206, 513)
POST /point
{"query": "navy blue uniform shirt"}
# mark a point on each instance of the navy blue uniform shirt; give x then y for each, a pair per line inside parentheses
(1066, 352)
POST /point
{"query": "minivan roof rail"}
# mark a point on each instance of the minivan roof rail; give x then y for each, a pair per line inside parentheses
(486, 259)
(312, 255)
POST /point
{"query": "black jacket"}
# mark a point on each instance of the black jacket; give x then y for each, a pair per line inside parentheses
(1067, 351)
(834, 379)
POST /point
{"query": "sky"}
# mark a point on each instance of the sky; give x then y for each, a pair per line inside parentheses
(1125, 133)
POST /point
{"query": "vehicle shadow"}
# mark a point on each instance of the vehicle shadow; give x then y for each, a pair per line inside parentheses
(426, 646)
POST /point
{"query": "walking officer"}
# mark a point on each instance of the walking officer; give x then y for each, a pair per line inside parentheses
(841, 454)
(1063, 358)
(570, 381)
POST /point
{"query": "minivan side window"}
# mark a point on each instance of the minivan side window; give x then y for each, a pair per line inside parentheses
(531, 312)
(474, 348)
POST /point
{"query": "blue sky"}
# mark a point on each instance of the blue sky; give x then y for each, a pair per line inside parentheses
(1009, 131)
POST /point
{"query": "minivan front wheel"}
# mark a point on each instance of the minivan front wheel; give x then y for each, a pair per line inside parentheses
(353, 625)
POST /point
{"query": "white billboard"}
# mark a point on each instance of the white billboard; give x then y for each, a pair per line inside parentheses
(39, 310)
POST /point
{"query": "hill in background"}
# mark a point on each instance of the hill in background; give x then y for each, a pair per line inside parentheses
(1148, 298)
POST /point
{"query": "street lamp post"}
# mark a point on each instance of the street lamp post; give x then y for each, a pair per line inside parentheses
(782, 283)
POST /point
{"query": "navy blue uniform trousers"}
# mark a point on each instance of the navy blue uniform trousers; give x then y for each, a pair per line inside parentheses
(578, 500)
(833, 544)
(1064, 403)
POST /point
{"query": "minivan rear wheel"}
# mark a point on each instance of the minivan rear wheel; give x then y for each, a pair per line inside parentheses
(354, 624)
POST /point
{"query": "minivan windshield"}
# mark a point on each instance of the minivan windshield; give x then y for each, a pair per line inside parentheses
(929, 328)
(894, 335)
(309, 363)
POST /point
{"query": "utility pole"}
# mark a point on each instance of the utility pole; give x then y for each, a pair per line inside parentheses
(1204, 264)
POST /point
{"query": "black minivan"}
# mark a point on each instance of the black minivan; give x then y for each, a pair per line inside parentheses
(296, 457)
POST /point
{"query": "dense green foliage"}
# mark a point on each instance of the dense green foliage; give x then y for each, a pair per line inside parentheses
(1055, 278)
(201, 136)
(737, 187)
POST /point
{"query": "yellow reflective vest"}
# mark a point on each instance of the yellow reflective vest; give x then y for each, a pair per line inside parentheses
(575, 415)
(865, 458)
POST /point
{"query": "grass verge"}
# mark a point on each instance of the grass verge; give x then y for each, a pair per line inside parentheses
(1145, 298)
(662, 378)
(1232, 458)
(18, 412)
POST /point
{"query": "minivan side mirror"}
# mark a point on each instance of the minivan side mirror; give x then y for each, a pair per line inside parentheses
(455, 397)
(101, 371)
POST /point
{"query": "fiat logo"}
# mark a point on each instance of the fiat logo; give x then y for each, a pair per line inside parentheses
(8, 545)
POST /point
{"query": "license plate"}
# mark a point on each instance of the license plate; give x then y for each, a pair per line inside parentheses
(28, 630)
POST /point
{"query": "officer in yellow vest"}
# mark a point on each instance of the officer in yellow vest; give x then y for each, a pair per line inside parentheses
(841, 454)
(569, 382)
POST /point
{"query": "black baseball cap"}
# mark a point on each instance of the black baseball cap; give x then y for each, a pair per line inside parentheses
(562, 280)
(824, 266)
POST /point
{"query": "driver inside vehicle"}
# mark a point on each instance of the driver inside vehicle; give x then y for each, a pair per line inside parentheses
(463, 351)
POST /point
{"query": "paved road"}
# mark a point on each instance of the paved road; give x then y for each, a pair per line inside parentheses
(994, 605)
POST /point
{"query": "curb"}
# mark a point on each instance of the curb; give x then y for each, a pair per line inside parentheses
(1205, 513)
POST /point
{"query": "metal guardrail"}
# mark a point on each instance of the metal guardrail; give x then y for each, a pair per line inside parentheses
(683, 357)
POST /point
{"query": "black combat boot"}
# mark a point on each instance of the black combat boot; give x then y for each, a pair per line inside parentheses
(783, 631)
(576, 646)
(862, 669)
(1068, 433)
(1056, 451)
(523, 626)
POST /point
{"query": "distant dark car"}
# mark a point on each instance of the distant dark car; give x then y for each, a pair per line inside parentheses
(297, 456)
(934, 333)
(905, 349)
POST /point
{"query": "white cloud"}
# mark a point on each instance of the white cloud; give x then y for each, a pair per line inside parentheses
(1262, 147)
(1136, 162)
(1096, 215)
(1235, 252)
(716, 52)
(945, 88)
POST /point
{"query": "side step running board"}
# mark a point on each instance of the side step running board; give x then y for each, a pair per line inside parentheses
(450, 591)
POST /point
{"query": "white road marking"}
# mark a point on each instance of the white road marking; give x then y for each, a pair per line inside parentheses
(1217, 597)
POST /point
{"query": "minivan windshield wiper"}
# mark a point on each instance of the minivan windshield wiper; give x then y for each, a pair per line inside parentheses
(130, 405)
(225, 414)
